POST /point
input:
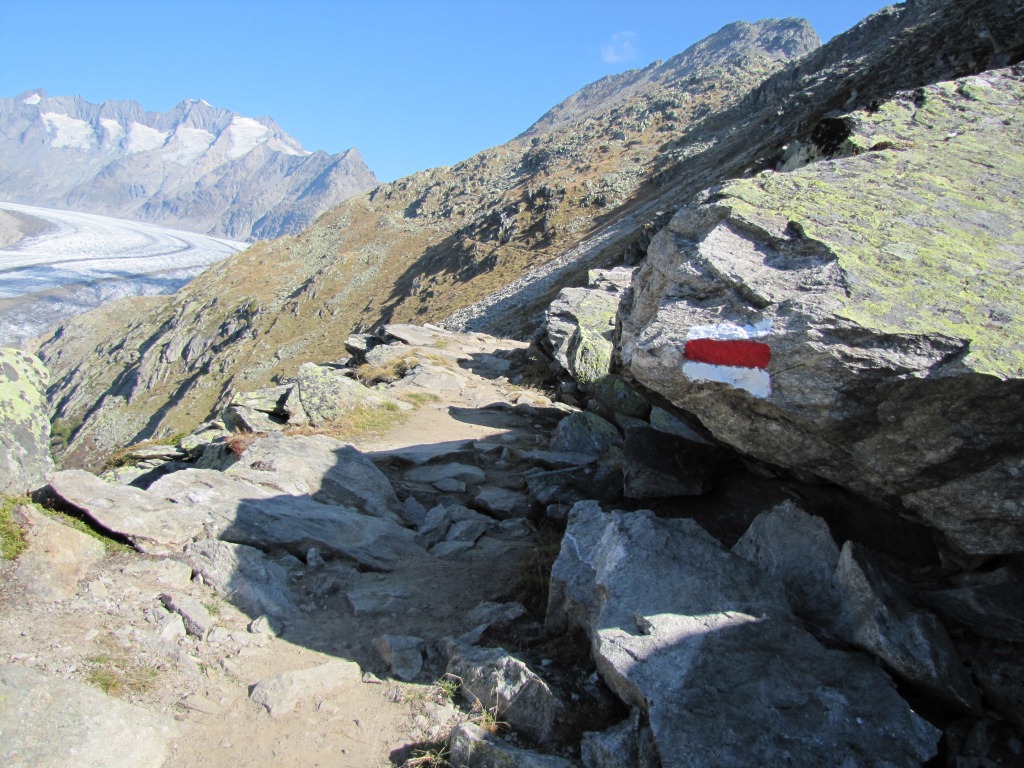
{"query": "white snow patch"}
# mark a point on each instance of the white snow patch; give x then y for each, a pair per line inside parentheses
(287, 147)
(115, 131)
(142, 138)
(67, 131)
(204, 101)
(245, 134)
(35, 98)
(188, 143)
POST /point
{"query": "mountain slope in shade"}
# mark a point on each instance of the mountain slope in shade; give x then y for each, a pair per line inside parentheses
(196, 167)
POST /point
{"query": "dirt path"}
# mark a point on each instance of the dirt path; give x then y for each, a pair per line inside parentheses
(113, 634)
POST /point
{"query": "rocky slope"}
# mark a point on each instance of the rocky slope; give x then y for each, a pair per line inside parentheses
(292, 597)
(413, 249)
(196, 167)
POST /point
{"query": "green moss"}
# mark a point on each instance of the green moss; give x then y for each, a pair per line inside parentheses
(929, 237)
(12, 537)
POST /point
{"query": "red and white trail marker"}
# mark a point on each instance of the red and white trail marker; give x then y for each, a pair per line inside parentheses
(728, 353)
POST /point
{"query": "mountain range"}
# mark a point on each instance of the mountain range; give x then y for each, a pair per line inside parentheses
(196, 167)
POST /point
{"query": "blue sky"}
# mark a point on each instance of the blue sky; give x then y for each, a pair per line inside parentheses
(413, 84)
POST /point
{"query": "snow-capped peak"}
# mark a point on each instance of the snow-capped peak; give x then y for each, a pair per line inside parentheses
(32, 99)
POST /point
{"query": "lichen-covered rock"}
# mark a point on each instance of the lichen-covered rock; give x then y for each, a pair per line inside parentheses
(862, 318)
(326, 395)
(578, 330)
(24, 423)
(585, 433)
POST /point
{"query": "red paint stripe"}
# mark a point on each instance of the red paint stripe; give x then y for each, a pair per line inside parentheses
(738, 352)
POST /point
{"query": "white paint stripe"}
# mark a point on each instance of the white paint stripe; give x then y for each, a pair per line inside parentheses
(754, 380)
(724, 331)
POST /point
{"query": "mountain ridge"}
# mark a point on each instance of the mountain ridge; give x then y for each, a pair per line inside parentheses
(196, 167)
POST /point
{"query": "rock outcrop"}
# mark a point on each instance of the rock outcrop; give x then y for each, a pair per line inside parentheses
(887, 298)
(24, 423)
(695, 638)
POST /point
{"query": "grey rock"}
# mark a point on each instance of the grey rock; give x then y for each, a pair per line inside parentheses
(152, 524)
(656, 465)
(376, 598)
(467, 530)
(626, 745)
(585, 433)
(243, 513)
(602, 479)
(473, 747)
(725, 638)
(1000, 675)
(58, 557)
(413, 512)
(322, 468)
(239, 418)
(403, 655)
(509, 689)
(198, 621)
(911, 642)
(195, 444)
(431, 473)
(358, 344)
(798, 550)
(490, 613)
(424, 454)
(450, 485)
(416, 335)
(451, 548)
(255, 582)
(24, 423)
(578, 328)
(269, 401)
(48, 722)
(435, 525)
(663, 421)
(435, 379)
(171, 573)
(157, 453)
(615, 396)
(327, 395)
(267, 625)
(559, 459)
(866, 387)
(281, 693)
(990, 604)
(502, 502)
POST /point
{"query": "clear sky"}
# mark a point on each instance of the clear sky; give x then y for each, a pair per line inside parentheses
(411, 83)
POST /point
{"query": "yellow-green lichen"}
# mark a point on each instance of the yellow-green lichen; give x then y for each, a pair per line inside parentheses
(930, 235)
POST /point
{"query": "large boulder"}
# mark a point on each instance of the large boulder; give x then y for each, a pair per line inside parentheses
(244, 513)
(49, 722)
(24, 423)
(706, 646)
(862, 319)
(325, 469)
(151, 523)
